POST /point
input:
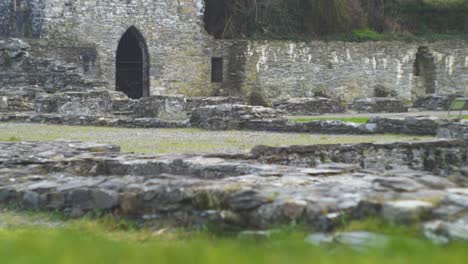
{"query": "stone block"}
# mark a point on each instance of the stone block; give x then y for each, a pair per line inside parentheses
(232, 117)
(423, 125)
(379, 105)
(83, 103)
(434, 102)
(406, 212)
(197, 102)
(163, 107)
(3, 103)
(310, 106)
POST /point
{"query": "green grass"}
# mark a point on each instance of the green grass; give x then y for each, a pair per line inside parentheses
(105, 240)
(465, 117)
(358, 120)
(28, 237)
(176, 141)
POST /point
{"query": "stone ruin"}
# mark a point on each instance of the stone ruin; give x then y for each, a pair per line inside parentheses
(49, 86)
(315, 185)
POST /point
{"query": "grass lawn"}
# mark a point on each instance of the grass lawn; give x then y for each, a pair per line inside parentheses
(108, 241)
(48, 238)
(175, 141)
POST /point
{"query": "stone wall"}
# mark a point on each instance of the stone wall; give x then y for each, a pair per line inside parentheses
(178, 46)
(4, 9)
(87, 33)
(284, 69)
(239, 190)
(439, 156)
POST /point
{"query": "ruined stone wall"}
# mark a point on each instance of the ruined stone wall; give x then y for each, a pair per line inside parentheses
(87, 33)
(4, 11)
(173, 30)
(349, 70)
(22, 18)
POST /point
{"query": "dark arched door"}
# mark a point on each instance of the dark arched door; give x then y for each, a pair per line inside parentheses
(132, 66)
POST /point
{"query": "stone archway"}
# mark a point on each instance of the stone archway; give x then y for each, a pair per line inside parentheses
(132, 65)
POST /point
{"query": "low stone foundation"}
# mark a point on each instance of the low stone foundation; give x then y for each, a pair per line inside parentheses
(240, 118)
(310, 106)
(379, 105)
(197, 102)
(76, 120)
(434, 102)
(424, 125)
(87, 103)
(233, 117)
(245, 190)
(438, 156)
(19, 98)
(457, 130)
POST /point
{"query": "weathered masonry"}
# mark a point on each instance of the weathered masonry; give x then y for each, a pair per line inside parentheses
(350, 70)
(175, 51)
(152, 47)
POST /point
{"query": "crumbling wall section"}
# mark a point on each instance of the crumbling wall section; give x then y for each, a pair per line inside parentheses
(18, 68)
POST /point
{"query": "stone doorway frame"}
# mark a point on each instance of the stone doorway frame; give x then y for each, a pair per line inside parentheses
(135, 33)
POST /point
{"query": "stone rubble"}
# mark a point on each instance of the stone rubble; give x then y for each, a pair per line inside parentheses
(19, 68)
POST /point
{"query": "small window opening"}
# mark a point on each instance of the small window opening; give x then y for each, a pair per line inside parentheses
(425, 68)
(217, 70)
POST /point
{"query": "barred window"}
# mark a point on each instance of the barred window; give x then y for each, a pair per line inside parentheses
(217, 70)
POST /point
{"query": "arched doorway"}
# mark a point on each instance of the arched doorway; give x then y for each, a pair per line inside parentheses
(132, 65)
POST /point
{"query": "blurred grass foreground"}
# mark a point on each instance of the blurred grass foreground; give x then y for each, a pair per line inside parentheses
(61, 246)
(106, 241)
